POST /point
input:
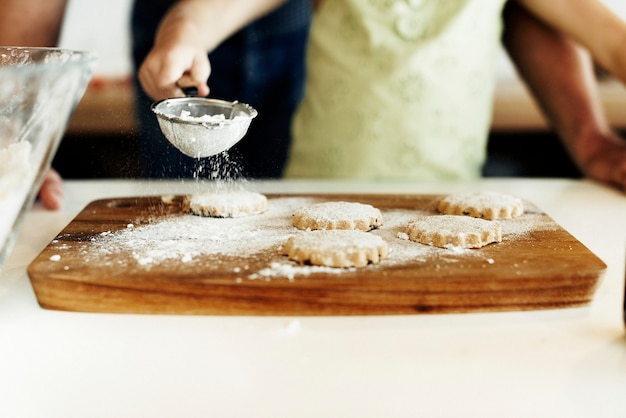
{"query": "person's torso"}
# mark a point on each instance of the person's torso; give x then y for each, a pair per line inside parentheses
(398, 89)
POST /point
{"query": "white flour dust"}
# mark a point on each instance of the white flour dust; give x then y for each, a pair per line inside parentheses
(211, 119)
(191, 240)
(225, 171)
(184, 238)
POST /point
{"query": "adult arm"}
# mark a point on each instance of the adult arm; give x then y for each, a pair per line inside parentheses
(591, 24)
(35, 23)
(190, 30)
(31, 22)
(560, 76)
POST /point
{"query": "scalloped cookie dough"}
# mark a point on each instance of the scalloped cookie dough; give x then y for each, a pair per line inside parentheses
(229, 204)
(336, 248)
(486, 205)
(338, 215)
(448, 231)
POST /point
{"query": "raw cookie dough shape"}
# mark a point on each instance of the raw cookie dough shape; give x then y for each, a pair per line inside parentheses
(338, 215)
(487, 205)
(228, 204)
(336, 248)
(448, 231)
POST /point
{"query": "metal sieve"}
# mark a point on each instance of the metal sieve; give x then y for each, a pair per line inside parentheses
(201, 127)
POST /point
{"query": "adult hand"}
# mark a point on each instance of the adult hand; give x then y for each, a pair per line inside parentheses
(51, 191)
(561, 77)
(602, 156)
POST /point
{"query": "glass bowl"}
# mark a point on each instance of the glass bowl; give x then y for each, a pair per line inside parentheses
(39, 90)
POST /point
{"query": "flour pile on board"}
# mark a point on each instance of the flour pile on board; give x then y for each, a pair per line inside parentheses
(184, 237)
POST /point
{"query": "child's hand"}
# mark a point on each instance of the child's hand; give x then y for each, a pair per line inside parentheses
(51, 191)
(168, 68)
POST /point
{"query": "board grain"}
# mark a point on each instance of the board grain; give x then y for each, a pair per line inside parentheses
(543, 268)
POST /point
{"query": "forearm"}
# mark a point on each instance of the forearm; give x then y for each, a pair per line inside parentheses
(209, 22)
(590, 23)
(559, 75)
(561, 78)
(31, 22)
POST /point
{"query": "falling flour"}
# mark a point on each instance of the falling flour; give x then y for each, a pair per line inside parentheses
(223, 169)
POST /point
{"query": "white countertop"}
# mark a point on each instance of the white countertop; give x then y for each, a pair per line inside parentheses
(554, 363)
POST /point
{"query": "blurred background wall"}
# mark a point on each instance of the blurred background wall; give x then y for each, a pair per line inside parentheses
(102, 27)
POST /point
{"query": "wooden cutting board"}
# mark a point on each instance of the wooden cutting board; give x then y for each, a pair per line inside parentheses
(106, 261)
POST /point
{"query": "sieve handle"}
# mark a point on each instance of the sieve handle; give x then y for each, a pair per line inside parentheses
(191, 91)
(187, 85)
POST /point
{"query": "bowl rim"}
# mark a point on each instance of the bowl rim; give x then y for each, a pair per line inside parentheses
(77, 58)
(249, 112)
